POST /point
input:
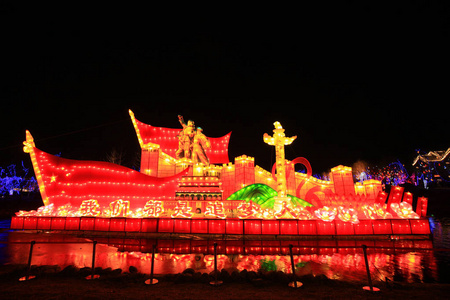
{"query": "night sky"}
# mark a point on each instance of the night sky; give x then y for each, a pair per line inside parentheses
(353, 82)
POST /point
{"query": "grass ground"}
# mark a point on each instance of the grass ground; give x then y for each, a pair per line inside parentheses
(70, 283)
(77, 288)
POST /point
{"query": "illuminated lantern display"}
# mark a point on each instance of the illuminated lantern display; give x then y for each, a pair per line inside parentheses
(279, 140)
(369, 212)
(348, 215)
(408, 198)
(404, 210)
(326, 213)
(187, 184)
(395, 196)
(422, 206)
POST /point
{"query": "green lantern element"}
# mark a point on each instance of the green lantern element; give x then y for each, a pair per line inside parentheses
(264, 196)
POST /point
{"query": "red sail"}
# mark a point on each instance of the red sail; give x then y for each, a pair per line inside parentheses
(72, 181)
(167, 139)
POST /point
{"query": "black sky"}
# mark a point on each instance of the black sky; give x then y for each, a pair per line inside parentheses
(354, 82)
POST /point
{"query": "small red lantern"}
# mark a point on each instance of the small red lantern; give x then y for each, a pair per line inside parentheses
(72, 223)
(270, 227)
(326, 228)
(149, 225)
(87, 223)
(58, 223)
(30, 223)
(234, 226)
(199, 226)
(364, 227)
(421, 226)
(117, 224)
(133, 225)
(102, 224)
(165, 225)
(44, 223)
(289, 227)
(422, 206)
(252, 226)
(382, 227)
(216, 227)
(182, 225)
(401, 227)
(344, 228)
(17, 222)
(307, 227)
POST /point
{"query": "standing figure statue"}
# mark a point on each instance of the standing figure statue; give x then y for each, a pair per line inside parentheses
(200, 143)
(185, 139)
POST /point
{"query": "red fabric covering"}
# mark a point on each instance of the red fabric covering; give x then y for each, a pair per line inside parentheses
(167, 139)
(73, 181)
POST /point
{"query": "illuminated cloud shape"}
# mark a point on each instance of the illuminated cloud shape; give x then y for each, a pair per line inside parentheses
(263, 195)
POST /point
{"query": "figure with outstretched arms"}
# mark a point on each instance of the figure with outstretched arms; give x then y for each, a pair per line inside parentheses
(185, 139)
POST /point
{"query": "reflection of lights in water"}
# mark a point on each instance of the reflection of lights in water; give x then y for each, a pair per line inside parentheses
(408, 266)
(432, 224)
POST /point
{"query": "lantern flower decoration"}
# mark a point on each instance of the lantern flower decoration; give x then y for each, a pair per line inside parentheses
(266, 214)
(41, 211)
(24, 213)
(381, 211)
(304, 214)
(376, 211)
(369, 212)
(64, 210)
(404, 210)
(348, 215)
(326, 213)
(45, 210)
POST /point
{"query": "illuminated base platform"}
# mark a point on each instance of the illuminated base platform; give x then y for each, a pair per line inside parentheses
(225, 226)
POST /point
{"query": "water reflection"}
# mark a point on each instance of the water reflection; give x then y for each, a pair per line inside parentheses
(392, 259)
(441, 240)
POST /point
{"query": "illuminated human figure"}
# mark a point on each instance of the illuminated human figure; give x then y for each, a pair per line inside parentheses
(199, 145)
(185, 139)
(279, 140)
(362, 176)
